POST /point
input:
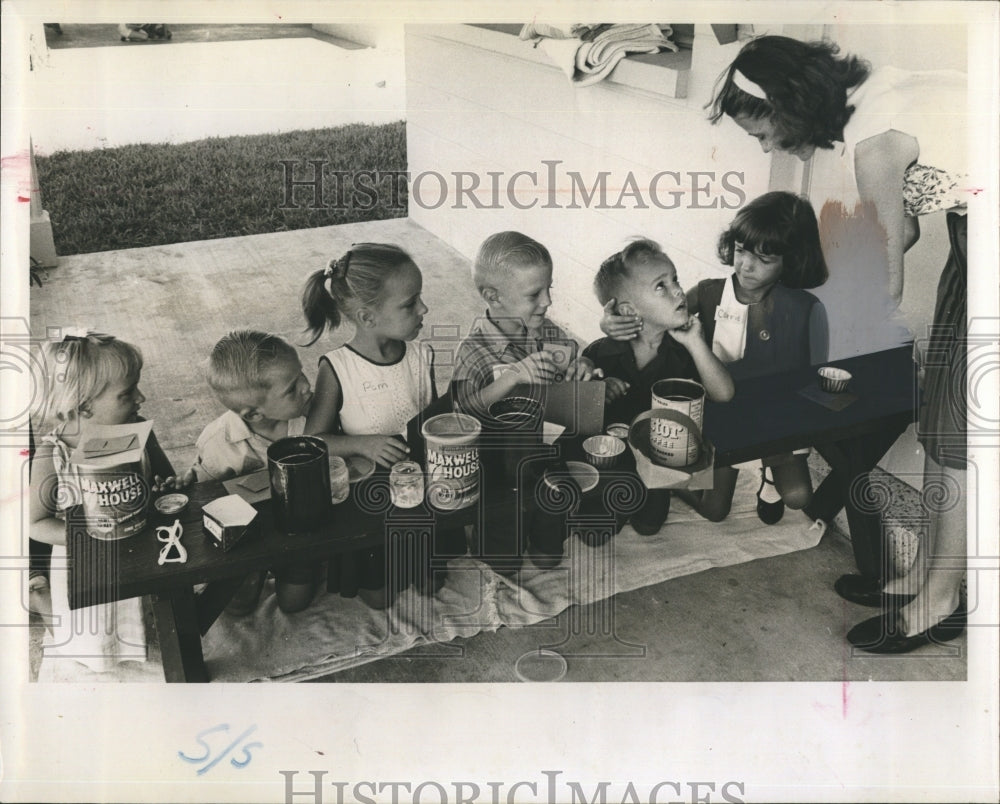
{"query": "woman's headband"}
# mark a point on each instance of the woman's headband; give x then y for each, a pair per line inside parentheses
(748, 86)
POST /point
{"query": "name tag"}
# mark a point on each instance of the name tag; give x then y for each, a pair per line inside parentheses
(724, 315)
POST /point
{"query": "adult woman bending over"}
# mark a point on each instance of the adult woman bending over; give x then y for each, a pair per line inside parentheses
(901, 139)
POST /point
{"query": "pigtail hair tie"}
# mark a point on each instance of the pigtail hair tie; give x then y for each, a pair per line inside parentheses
(337, 269)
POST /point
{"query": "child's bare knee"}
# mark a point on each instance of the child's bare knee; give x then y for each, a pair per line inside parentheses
(715, 510)
(796, 497)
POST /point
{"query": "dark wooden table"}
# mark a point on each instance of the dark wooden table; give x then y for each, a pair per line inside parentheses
(767, 416)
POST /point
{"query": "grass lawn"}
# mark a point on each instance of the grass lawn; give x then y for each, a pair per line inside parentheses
(148, 195)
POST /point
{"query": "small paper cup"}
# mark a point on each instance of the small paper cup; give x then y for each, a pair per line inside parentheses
(170, 504)
(603, 451)
(618, 430)
(833, 380)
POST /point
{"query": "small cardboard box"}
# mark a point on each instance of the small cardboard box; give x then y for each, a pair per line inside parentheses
(229, 519)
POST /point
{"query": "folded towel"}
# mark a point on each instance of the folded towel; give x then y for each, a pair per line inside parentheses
(562, 52)
(588, 53)
(534, 31)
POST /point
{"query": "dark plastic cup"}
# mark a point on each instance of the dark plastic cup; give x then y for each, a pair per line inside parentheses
(299, 468)
(512, 436)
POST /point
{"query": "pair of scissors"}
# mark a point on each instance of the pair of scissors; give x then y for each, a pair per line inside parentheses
(171, 537)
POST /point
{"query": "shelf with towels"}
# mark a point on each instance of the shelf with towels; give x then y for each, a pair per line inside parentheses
(664, 74)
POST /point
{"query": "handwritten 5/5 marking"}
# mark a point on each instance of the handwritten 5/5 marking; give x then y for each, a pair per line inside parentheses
(210, 761)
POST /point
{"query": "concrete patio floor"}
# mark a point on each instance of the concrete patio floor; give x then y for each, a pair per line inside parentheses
(775, 619)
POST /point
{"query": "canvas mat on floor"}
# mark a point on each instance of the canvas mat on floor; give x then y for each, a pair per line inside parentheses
(335, 633)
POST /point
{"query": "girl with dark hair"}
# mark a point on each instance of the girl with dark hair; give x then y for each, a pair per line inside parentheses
(759, 321)
(902, 136)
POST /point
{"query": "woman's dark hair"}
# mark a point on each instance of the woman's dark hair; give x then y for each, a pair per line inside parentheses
(347, 284)
(782, 225)
(806, 85)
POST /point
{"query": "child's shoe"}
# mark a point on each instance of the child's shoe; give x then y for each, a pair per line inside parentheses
(768, 511)
(650, 518)
(246, 597)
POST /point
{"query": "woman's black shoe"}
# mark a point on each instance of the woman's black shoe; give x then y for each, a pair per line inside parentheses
(867, 591)
(768, 512)
(884, 634)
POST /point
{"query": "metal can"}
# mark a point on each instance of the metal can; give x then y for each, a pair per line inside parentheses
(672, 444)
(406, 484)
(452, 460)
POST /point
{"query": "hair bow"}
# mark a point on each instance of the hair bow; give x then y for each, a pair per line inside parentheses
(76, 333)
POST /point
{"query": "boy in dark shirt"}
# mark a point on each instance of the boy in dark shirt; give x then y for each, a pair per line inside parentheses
(643, 279)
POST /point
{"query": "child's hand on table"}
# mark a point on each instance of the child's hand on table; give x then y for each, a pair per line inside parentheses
(581, 369)
(537, 369)
(172, 482)
(384, 450)
(619, 327)
(614, 388)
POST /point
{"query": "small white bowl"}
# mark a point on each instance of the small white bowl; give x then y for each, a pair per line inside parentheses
(833, 380)
(170, 504)
(603, 451)
(585, 475)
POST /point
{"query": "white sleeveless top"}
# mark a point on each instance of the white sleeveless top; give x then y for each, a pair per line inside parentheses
(378, 398)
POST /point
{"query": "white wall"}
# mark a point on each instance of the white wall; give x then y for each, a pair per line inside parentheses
(387, 37)
(471, 109)
(84, 98)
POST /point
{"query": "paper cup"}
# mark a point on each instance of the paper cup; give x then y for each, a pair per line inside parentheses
(833, 380)
(603, 451)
